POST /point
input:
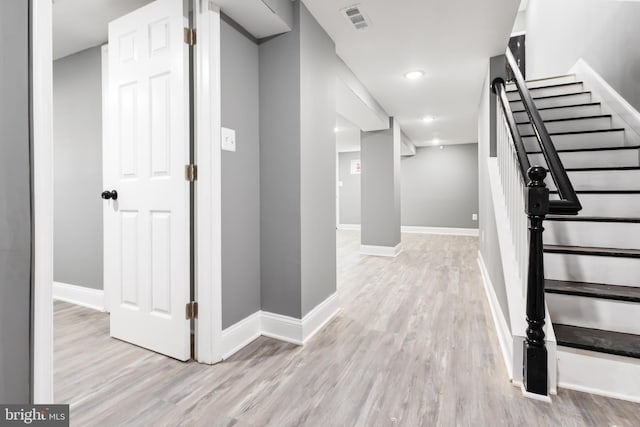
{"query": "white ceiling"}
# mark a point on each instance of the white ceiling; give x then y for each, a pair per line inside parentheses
(81, 24)
(451, 40)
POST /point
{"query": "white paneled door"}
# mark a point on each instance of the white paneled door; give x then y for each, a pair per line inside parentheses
(146, 228)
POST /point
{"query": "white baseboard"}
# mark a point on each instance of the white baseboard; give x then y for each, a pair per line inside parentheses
(348, 227)
(451, 231)
(610, 97)
(74, 294)
(240, 334)
(277, 326)
(505, 337)
(391, 251)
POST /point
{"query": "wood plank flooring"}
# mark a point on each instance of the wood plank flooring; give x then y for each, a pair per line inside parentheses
(414, 345)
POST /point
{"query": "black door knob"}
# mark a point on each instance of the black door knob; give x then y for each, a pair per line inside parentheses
(113, 194)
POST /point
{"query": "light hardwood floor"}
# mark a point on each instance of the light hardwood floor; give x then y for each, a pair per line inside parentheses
(414, 345)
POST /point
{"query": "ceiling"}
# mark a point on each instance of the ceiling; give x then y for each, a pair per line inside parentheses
(450, 40)
(81, 24)
(347, 135)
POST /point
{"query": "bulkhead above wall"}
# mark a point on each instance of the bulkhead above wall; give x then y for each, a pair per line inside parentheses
(261, 18)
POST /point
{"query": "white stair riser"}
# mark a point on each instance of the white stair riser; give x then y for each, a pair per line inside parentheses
(611, 205)
(596, 313)
(579, 140)
(602, 180)
(562, 113)
(588, 159)
(619, 235)
(560, 101)
(599, 373)
(594, 269)
(548, 91)
(570, 125)
(547, 82)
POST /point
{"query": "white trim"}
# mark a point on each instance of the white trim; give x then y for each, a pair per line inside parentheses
(502, 328)
(610, 97)
(42, 119)
(240, 334)
(280, 327)
(391, 251)
(209, 339)
(535, 396)
(451, 231)
(104, 50)
(79, 295)
(518, 33)
(354, 227)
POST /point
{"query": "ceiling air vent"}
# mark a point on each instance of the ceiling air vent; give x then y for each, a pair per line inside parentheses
(356, 17)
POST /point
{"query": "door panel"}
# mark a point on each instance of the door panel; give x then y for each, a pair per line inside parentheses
(146, 230)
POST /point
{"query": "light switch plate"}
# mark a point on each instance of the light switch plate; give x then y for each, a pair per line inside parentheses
(228, 139)
(474, 217)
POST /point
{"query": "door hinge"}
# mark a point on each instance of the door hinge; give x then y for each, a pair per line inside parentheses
(191, 172)
(190, 36)
(191, 310)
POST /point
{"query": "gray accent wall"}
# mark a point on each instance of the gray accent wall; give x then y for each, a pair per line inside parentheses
(280, 129)
(15, 204)
(440, 186)
(77, 152)
(604, 33)
(240, 176)
(318, 161)
(350, 190)
(380, 187)
(297, 167)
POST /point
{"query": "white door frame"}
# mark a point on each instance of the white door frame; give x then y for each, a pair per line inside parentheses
(208, 191)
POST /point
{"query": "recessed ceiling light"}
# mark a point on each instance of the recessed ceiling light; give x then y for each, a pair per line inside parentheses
(435, 141)
(336, 129)
(414, 75)
(427, 119)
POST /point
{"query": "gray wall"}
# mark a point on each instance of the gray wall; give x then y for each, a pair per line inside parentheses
(604, 33)
(240, 176)
(77, 151)
(318, 161)
(380, 192)
(15, 204)
(440, 186)
(297, 167)
(280, 241)
(489, 246)
(350, 189)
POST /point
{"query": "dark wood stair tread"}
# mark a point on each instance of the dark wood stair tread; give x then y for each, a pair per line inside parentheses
(593, 290)
(592, 251)
(554, 96)
(566, 119)
(546, 87)
(604, 168)
(575, 150)
(610, 342)
(601, 192)
(579, 218)
(585, 104)
(579, 132)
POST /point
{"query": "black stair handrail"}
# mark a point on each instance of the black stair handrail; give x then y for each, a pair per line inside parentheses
(537, 206)
(569, 204)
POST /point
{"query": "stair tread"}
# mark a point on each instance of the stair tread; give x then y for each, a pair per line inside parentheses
(559, 76)
(546, 87)
(601, 191)
(593, 290)
(604, 168)
(580, 218)
(554, 96)
(574, 150)
(586, 104)
(566, 119)
(594, 251)
(578, 132)
(610, 342)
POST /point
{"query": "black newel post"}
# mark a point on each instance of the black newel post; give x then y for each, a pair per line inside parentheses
(535, 352)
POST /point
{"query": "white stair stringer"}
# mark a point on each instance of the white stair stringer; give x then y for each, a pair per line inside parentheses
(599, 373)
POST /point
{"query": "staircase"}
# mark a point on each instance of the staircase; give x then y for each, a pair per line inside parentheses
(592, 261)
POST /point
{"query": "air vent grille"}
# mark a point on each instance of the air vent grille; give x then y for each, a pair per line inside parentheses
(356, 17)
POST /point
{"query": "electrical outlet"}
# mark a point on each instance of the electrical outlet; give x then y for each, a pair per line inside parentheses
(474, 217)
(228, 142)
